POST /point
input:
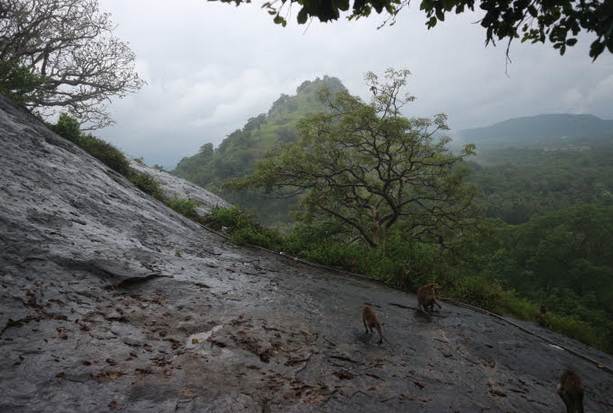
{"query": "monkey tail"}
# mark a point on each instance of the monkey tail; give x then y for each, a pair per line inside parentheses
(389, 343)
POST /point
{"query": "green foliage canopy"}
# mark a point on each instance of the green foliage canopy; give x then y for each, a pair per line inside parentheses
(60, 54)
(517, 184)
(558, 21)
(17, 81)
(562, 260)
(370, 168)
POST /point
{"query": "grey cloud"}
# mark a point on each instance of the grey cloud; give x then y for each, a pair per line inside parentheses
(212, 66)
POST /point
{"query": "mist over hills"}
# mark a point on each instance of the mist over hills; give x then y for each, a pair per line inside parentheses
(551, 131)
(237, 154)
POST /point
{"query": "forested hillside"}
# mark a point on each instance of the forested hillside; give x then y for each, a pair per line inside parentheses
(517, 184)
(531, 224)
(238, 152)
(553, 131)
(546, 186)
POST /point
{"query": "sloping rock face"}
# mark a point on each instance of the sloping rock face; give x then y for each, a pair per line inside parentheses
(174, 186)
(110, 301)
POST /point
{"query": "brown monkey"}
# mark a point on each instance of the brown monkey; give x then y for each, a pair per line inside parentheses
(571, 392)
(400, 277)
(353, 265)
(542, 317)
(370, 320)
(426, 297)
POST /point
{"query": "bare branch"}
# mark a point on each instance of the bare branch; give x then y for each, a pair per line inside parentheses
(68, 43)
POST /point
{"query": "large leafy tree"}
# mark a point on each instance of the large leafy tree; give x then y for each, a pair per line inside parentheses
(558, 21)
(371, 169)
(60, 54)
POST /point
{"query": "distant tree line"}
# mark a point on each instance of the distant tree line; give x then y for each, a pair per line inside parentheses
(518, 184)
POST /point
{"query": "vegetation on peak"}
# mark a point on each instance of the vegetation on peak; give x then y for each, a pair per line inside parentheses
(238, 152)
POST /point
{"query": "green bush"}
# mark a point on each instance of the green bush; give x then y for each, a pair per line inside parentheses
(518, 307)
(17, 81)
(185, 207)
(148, 185)
(106, 153)
(324, 243)
(332, 255)
(243, 228)
(68, 127)
(578, 329)
(480, 292)
(411, 265)
(248, 237)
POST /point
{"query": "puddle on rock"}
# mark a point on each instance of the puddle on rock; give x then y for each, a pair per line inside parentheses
(196, 340)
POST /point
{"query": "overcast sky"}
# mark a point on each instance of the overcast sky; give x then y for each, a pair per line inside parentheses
(211, 66)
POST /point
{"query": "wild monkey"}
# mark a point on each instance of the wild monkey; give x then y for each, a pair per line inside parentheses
(426, 297)
(401, 277)
(571, 392)
(370, 320)
(542, 317)
(353, 265)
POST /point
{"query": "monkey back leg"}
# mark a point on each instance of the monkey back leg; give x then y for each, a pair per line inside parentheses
(380, 334)
(365, 325)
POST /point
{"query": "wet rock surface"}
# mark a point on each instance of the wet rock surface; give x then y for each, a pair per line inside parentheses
(110, 301)
(175, 186)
